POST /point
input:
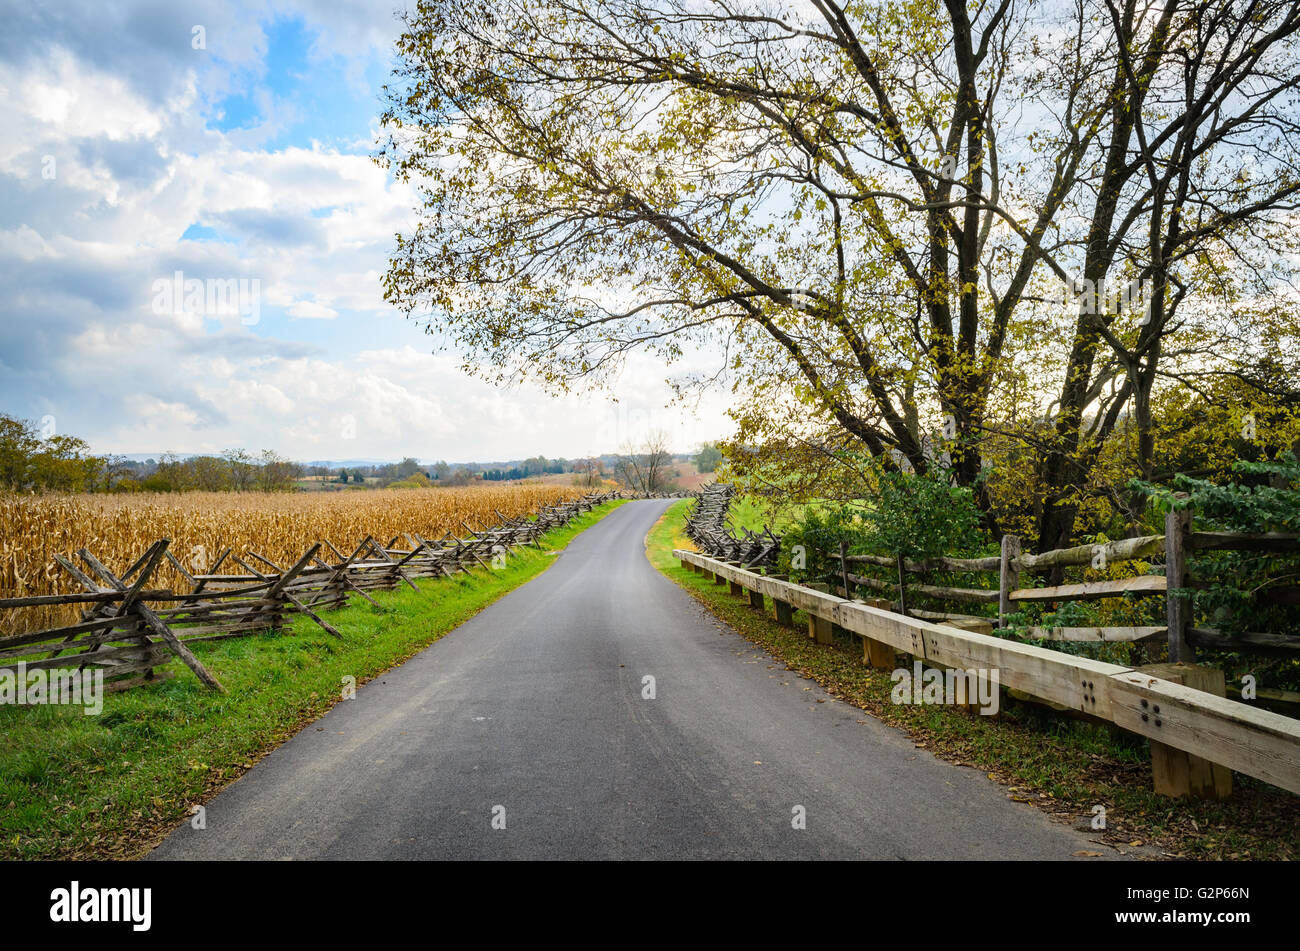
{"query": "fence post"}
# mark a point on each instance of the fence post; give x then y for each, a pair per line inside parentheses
(844, 568)
(902, 586)
(1008, 576)
(819, 629)
(1178, 525)
(1175, 772)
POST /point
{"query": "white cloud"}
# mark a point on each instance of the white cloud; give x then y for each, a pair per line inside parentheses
(136, 168)
(312, 310)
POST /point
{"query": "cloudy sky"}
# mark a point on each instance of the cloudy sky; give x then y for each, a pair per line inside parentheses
(223, 143)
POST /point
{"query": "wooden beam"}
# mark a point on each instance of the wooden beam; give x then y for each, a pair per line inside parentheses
(1178, 525)
(1008, 576)
(1253, 741)
(1092, 590)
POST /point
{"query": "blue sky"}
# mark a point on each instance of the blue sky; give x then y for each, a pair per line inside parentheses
(229, 143)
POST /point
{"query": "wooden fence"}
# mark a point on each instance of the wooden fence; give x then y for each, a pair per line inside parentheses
(1201, 727)
(128, 630)
(908, 585)
(1000, 590)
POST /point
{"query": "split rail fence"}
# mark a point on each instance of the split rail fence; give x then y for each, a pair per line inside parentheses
(129, 630)
(1197, 734)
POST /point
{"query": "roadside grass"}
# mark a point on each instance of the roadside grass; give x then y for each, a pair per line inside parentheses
(1065, 767)
(753, 514)
(74, 786)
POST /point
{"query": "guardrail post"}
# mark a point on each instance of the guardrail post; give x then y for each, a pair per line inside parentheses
(819, 629)
(1178, 525)
(1008, 576)
(877, 654)
(736, 589)
(783, 610)
(1175, 772)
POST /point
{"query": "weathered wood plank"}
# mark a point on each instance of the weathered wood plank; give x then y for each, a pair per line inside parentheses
(1125, 549)
(1092, 590)
(1253, 741)
(1247, 739)
(1094, 634)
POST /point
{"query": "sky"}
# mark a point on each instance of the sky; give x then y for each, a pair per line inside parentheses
(193, 238)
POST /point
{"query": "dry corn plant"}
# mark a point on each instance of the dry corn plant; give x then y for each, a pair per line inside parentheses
(118, 528)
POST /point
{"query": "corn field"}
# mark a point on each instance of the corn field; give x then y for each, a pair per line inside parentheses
(118, 528)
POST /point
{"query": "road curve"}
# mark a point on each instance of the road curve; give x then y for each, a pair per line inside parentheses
(531, 716)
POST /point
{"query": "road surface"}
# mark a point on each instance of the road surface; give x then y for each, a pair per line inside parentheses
(531, 716)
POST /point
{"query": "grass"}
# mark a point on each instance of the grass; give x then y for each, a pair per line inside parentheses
(111, 786)
(1065, 767)
(753, 514)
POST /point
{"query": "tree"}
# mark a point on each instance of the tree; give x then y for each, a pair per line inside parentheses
(589, 472)
(707, 459)
(853, 208)
(242, 469)
(275, 473)
(647, 468)
(32, 460)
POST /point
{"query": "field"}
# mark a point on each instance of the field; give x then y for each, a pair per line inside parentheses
(110, 786)
(118, 528)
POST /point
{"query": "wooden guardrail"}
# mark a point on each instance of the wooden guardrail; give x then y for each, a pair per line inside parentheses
(1252, 741)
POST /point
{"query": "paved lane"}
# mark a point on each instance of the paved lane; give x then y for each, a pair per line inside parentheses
(533, 712)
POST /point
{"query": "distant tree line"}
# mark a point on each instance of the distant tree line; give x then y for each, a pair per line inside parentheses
(538, 465)
(31, 460)
(34, 461)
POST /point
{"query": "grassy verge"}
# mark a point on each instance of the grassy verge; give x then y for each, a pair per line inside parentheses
(754, 515)
(111, 786)
(1065, 767)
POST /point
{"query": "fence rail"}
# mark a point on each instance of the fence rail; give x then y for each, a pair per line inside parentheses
(707, 527)
(1236, 736)
(128, 630)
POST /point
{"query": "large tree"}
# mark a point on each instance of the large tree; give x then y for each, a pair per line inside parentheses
(869, 212)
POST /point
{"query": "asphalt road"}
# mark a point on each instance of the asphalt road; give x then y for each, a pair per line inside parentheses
(532, 716)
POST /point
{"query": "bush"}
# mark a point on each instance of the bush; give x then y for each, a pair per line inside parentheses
(921, 516)
(917, 516)
(1236, 591)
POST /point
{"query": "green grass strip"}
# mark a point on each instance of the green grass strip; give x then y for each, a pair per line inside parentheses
(112, 785)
